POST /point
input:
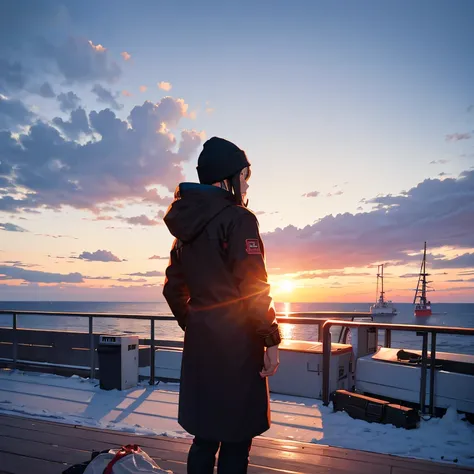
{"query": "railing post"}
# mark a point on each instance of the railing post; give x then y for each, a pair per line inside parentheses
(432, 372)
(424, 360)
(15, 342)
(388, 338)
(320, 335)
(326, 361)
(91, 348)
(152, 351)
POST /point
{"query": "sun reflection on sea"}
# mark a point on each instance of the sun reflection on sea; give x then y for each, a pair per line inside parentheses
(286, 329)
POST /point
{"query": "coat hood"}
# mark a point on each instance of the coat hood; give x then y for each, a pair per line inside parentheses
(195, 205)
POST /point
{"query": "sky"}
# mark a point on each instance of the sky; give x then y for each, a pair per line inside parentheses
(357, 118)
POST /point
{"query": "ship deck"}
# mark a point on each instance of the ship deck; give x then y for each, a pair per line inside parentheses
(44, 447)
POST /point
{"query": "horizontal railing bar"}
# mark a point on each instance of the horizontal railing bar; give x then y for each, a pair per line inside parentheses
(94, 315)
(281, 316)
(404, 327)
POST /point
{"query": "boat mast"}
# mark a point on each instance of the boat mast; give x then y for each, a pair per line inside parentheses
(422, 281)
(377, 290)
(382, 292)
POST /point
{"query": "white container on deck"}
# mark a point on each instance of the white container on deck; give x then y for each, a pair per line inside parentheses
(118, 361)
(382, 374)
(301, 369)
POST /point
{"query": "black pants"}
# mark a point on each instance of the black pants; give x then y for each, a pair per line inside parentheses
(233, 457)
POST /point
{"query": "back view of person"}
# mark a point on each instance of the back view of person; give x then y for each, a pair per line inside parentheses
(216, 286)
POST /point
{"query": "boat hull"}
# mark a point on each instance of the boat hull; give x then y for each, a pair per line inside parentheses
(423, 312)
(383, 311)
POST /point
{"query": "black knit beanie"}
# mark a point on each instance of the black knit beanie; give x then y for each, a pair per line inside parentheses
(219, 160)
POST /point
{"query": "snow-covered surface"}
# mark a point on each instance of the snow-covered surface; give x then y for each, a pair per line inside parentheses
(148, 411)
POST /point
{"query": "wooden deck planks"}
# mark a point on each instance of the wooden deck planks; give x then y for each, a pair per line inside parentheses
(49, 447)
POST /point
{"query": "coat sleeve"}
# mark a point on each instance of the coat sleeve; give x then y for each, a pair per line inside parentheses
(175, 289)
(247, 259)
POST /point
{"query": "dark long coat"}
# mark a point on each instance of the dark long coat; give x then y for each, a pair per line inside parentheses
(216, 286)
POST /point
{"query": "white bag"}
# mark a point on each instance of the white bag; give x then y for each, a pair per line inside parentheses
(129, 459)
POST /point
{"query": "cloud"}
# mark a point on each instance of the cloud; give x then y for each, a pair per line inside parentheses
(12, 76)
(68, 101)
(141, 220)
(126, 93)
(106, 96)
(326, 275)
(166, 86)
(16, 273)
(59, 236)
(443, 174)
(77, 125)
(119, 162)
(190, 140)
(157, 257)
(13, 113)
(409, 275)
(311, 194)
(439, 211)
(153, 273)
(456, 288)
(132, 280)
(11, 227)
(337, 193)
(465, 260)
(439, 162)
(209, 110)
(99, 256)
(80, 60)
(262, 213)
(143, 88)
(17, 263)
(46, 91)
(102, 218)
(126, 56)
(455, 137)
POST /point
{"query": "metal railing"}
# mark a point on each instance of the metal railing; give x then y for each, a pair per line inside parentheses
(420, 330)
(324, 320)
(317, 318)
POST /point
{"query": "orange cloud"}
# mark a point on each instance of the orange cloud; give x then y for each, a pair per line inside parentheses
(99, 48)
(127, 94)
(166, 86)
(126, 56)
(143, 88)
(192, 115)
(210, 110)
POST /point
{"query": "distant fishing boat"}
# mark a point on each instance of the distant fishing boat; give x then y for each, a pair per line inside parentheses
(422, 307)
(382, 307)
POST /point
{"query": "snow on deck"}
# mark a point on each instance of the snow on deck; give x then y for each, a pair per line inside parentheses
(148, 411)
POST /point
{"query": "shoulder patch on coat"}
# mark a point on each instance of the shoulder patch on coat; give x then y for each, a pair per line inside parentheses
(252, 246)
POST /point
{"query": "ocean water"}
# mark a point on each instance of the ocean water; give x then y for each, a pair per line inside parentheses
(444, 314)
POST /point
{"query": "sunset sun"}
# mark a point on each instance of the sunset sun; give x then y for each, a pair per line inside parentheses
(287, 286)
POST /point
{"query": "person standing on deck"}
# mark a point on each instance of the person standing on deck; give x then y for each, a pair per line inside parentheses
(216, 286)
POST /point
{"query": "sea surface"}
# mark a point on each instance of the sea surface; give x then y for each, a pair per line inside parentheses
(444, 314)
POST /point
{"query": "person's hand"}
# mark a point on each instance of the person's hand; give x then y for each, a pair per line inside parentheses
(271, 361)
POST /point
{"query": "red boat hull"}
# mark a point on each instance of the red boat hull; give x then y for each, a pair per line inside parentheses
(422, 312)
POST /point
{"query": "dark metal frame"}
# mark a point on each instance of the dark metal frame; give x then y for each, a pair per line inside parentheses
(420, 330)
(314, 317)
